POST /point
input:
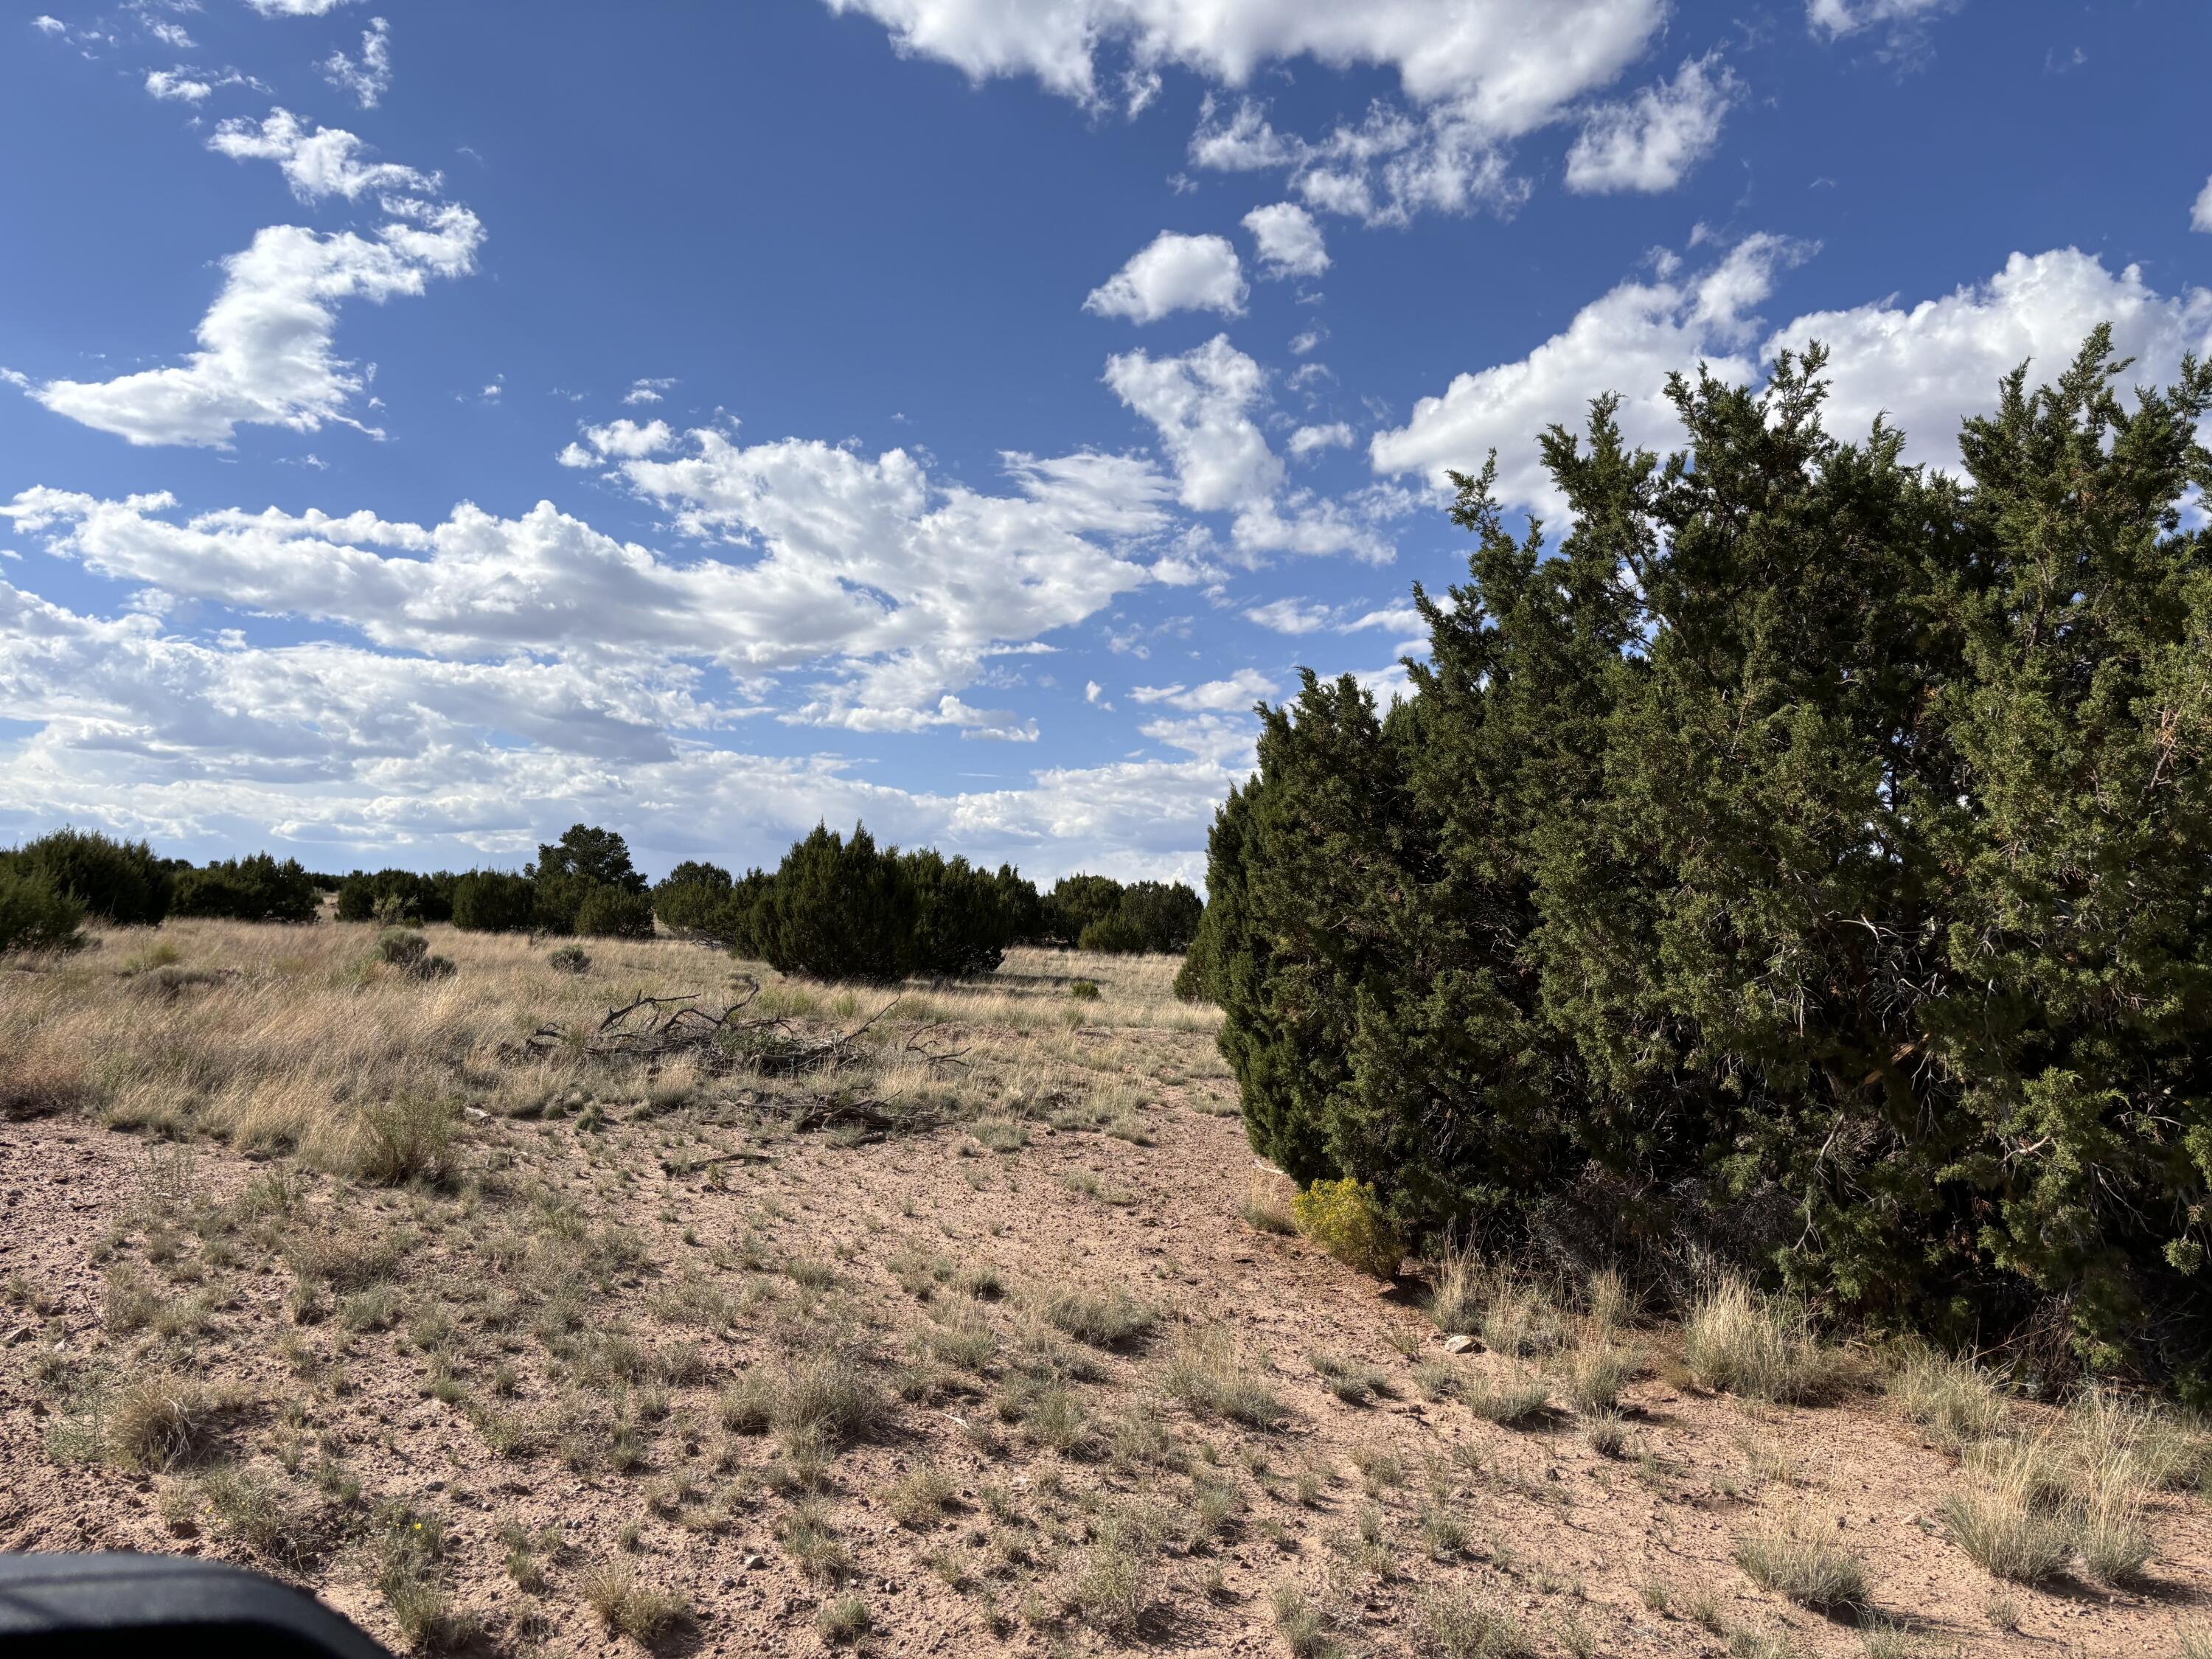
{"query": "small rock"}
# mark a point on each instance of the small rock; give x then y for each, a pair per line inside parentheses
(1458, 1344)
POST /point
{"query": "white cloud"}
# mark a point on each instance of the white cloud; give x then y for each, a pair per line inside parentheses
(1290, 241)
(1308, 439)
(1650, 142)
(1225, 740)
(46, 25)
(1203, 405)
(645, 390)
(367, 78)
(843, 558)
(1291, 615)
(1840, 17)
(343, 755)
(266, 353)
(1629, 341)
(2200, 215)
(1514, 64)
(1930, 366)
(296, 8)
(1174, 273)
(1308, 340)
(1389, 168)
(1397, 619)
(1240, 690)
(1926, 367)
(178, 85)
(316, 161)
(627, 440)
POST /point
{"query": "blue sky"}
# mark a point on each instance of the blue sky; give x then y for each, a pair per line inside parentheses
(427, 425)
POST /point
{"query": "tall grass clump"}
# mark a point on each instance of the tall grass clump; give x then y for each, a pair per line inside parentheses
(1738, 1340)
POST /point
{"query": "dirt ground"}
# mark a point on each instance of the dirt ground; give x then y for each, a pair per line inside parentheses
(561, 1390)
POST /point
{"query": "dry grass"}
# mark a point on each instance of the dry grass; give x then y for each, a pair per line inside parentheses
(1954, 1400)
(1029, 1383)
(1737, 1340)
(1802, 1561)
(304, 1041)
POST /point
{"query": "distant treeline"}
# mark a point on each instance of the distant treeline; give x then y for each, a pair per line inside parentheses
(836, 908)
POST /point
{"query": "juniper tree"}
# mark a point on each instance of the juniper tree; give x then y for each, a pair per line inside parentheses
(1809, 853)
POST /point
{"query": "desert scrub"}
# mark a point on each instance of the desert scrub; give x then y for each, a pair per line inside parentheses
(1300, 1624)
(407, 1138)
(1104, 1321)
(1204, 1374)
(624, 1603)
(570, 959)
(919, 1496)
(159, 1422)
(2009, 1515)
(1345, 1220)
(842, 1619)
(1737, 1340)
(1459, 1624)
(1809, 1568)
(1951, 1399)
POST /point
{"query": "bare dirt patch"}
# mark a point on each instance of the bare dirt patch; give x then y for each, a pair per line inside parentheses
(678, 1357)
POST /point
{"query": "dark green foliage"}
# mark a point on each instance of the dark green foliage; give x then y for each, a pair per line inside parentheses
(494, 902)
(837, 909)
(962, 921)
(1077, 902)
(258, 888)
(568, 869)
(1021, 904)
(1097, 913)
(691, 899)
(1809, 856)
(417, 897)
(615, 912)
(33, 915)
(118, 881)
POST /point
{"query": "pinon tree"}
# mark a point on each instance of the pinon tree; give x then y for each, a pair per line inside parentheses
(1808, 856)
(568, 870)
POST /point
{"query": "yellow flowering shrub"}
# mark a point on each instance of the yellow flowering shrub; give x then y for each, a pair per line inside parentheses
(1343, 1218)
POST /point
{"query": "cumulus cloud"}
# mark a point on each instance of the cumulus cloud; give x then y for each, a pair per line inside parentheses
(645, 390)
(332, 747)
(1931, 366)
(1204, 403)
(1174, 273)
(267, 352)
(1926, 367)
(1290, 241)
(316, 161)
(1383, 170)
(178, 85)
(1309, 440)
(296, 8)
(1291, 615)
(1514, 64)
(1650, 142)
(1473, 75)
(1628, 341)
(368, 76)
(2200, 215)
(627, 441)
(1240, 690)
(46, 25)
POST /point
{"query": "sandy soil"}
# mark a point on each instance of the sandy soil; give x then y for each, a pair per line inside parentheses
(806, 1242)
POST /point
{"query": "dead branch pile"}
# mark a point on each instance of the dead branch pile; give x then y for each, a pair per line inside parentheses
(661, 1029)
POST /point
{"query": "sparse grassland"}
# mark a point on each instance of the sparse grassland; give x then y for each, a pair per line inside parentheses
(991, 1334)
